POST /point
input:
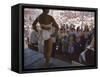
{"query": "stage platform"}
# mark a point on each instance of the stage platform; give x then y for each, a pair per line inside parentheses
(34, 59)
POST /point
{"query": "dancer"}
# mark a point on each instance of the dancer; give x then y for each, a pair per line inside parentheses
(46, 23)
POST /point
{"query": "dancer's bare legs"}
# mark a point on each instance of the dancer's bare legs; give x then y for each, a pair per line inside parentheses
(47, 51)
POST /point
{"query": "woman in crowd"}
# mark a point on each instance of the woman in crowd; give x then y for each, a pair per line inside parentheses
(87, 56)
(64, 41)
